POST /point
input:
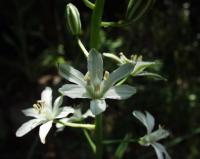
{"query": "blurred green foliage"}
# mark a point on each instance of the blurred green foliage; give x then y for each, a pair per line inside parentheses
(34, 39)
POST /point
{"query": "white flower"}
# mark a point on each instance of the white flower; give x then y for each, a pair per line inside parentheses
(94, 85)
(44, 113)
(152, 137)
(140, 65)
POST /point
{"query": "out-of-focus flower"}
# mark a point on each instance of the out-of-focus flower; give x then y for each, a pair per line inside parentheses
(140, 66)
(151, 138)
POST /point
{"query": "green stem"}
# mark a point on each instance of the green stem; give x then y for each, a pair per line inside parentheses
(115, 24)
(99, 137)
(91, 143)
(94, 43)
(80, 44)
(77, 125)
(95, 23)
(122, 81)
(88, 4)
(107, 142)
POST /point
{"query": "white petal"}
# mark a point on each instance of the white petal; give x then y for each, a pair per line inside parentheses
(44, 129)
(27, 127)
(65, 111)
(31, 112)
(150, 122)
(57, 104)
(147, 121)
(97, 106)
(95, 66)
(140, 116)
(118, 74)
(46, 96)
(73, 91)
(120, 92)
(88, 113)
(160, 151)
(71, 74)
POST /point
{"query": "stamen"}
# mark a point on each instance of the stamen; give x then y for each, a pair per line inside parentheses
(106, 75)
(124, 58)
(87, 78)
(139, 58)
(39, 106)
(134, 57)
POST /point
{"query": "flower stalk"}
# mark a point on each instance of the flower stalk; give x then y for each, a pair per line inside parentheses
(77, 125)
(94, 42)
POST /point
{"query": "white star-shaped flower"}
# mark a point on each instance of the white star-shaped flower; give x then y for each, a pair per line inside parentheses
(152, 137)
(44, 113)
(94, 85)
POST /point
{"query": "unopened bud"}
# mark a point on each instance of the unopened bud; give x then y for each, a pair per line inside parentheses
(73, 19)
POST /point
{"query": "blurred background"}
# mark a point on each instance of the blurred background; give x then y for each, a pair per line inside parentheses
(34, 39)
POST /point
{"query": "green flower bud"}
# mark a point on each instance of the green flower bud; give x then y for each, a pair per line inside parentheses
(137, 9)
(73, 19)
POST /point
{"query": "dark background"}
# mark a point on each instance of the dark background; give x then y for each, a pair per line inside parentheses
(34, 38)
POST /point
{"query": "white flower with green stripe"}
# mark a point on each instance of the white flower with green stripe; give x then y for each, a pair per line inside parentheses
(94, 85)
(137, 61)
(152, 137)
(44, 114)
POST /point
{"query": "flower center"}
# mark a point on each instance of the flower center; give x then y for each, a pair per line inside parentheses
(39, 106)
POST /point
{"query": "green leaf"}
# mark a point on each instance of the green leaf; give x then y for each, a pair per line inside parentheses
(137, 9)
(122, 147)
(71, 74)
(97, 106)
(118, 74)
(95, 66)
(73, 91)
(120, 92)
(133, 5)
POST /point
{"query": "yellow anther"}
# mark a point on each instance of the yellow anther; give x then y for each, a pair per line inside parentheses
(39, 106)
(139, 58)
(87, 76)
(106, 75)
(133, 57)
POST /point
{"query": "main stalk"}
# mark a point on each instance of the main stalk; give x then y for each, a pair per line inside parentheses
(94, 43)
